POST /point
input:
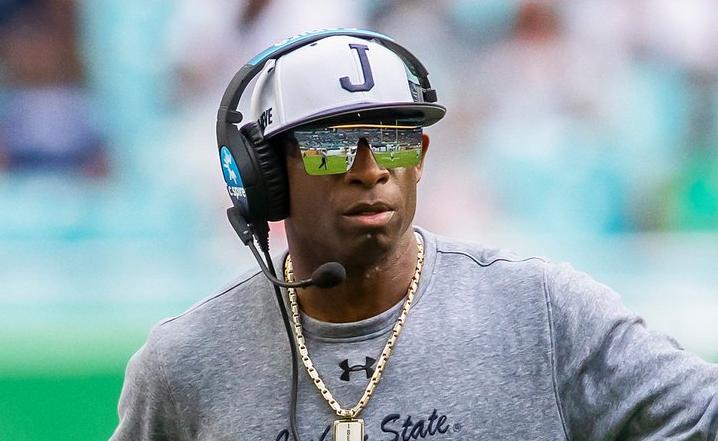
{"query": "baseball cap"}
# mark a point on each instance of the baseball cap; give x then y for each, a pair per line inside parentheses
(338, 78)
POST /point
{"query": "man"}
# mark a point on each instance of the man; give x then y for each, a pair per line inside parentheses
(351, 154)
(323, 153)
(427, 337)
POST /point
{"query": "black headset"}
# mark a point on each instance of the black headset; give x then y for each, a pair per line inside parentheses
(255, 175)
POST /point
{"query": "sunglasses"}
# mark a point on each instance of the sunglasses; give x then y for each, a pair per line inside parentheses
(332, 150)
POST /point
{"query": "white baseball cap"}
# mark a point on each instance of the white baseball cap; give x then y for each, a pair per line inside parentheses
(338, 77)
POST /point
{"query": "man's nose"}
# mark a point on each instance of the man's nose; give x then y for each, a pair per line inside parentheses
(365, 171)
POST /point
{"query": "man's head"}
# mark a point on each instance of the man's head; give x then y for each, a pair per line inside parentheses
(353, 104)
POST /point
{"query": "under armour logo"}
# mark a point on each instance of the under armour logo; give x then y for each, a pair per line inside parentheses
(365, 367)
(365, 69)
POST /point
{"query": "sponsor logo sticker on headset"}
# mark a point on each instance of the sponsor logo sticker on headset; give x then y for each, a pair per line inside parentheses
(231, 174)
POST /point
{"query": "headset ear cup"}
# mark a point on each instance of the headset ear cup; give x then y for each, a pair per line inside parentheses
(239, 147)
(273, 173)
(275, 180)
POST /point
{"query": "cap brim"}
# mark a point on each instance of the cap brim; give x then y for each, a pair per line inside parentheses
(420, 114)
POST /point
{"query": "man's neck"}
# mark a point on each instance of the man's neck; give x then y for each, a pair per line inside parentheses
(368, 289)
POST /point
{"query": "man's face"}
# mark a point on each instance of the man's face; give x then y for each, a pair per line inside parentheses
(356, 217)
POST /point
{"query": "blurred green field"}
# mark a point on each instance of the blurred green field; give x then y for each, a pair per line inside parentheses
(63, 386)
(401, 159)
(62, 407)
(61, 376)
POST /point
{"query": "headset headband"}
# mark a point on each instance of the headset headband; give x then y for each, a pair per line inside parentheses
(230, 100)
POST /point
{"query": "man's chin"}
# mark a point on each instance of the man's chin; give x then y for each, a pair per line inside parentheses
(369, 246)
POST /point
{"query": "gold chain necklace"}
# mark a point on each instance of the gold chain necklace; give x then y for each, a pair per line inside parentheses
(349, 428)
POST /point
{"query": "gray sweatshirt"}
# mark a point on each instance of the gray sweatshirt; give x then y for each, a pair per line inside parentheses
(495, 347)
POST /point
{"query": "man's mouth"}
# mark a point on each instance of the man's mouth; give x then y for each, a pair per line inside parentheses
(373, 214)
(367, 208)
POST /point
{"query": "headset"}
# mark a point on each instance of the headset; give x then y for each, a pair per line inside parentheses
(261, 193)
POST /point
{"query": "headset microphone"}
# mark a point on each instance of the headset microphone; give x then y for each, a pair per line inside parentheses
(328, 275)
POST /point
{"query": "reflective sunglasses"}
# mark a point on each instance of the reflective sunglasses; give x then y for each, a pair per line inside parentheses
(332, 150)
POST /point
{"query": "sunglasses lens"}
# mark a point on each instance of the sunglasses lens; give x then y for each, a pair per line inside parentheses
(331, 150)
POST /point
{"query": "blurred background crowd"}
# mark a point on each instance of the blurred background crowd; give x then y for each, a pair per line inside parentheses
(583, 130)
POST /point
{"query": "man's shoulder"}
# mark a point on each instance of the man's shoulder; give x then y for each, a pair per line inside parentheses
(209, 338)
(217, 314)
(239, 290)
(463, 253)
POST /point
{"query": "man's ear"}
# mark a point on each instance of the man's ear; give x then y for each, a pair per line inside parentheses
(424, 149)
